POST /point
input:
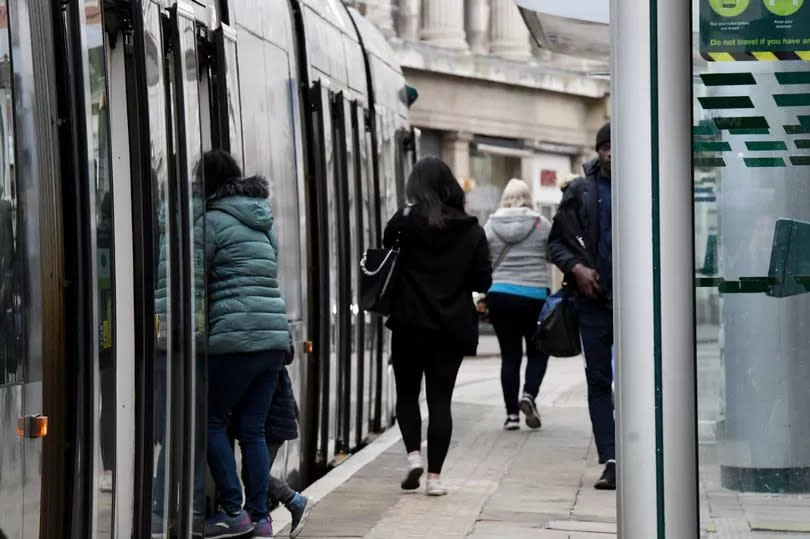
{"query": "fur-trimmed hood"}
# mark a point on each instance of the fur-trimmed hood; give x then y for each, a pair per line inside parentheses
(245, 199)
(253, 187)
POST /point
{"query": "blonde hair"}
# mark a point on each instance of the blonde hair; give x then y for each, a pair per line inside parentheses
(517, 194)
(566, 181)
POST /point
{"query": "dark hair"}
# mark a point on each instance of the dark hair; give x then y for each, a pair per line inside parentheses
(432, 189)
(218, 166)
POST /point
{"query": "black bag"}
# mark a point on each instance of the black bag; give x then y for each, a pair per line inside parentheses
(378, 275)
(557, 331)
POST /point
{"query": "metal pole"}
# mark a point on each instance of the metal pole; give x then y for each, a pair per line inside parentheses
(677, 269)
(653, 269)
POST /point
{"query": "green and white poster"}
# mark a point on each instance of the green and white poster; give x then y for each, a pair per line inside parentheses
(755, 29)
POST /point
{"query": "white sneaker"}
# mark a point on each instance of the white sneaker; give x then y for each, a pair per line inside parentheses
(435, 488)
(415, 470)
(512, 422)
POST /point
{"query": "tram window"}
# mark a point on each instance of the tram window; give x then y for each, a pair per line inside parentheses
(21, 294)
(267, 105)
(285, 177)
(230, 82)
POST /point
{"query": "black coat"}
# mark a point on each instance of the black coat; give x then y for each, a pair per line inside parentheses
(282, 418)
(574, 236)
(439, 268)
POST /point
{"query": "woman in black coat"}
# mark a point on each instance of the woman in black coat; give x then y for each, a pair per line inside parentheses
(443, 258)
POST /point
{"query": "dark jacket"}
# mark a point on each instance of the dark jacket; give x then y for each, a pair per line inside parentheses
(438, 271)
(282, 418)
(574, 237)
(246, 311)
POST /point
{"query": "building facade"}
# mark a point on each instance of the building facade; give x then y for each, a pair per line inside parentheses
(491, 103)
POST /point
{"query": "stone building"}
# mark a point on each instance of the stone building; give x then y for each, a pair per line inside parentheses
(491, 103)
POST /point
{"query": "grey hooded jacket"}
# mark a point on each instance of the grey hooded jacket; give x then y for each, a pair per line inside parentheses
(527, 232)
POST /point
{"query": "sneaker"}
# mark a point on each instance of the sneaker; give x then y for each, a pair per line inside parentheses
(512, 422)
(299, 508)
(224, 525)
(608, 479)
(435, 488)
(415, 470)
(263, 528)
(529, 408)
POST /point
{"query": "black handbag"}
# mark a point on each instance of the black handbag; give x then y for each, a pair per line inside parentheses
(378, 276)
(557, 331)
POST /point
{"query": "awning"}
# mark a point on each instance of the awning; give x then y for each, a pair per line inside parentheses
(576, 28)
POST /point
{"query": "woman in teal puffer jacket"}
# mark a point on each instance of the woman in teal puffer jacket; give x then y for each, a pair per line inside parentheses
(248, 339)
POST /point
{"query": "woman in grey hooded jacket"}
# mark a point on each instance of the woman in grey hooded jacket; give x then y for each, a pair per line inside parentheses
(518, 238)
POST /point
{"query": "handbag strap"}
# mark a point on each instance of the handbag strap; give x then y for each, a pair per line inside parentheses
(508, 246)
(501, 256)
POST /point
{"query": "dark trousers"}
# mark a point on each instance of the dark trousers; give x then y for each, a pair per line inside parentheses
(418, 352)
(596, 330)
(515, 320)
(241, 385)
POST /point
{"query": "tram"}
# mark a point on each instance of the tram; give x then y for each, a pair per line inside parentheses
(106, 107)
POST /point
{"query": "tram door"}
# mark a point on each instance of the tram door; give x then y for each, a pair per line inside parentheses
(365, 237)
(341, 369)
(171, 452)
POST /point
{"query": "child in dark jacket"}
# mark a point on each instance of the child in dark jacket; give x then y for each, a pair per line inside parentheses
(281, 426)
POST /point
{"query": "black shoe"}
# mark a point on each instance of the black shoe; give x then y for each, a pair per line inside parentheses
(608, 479)
(512, 422)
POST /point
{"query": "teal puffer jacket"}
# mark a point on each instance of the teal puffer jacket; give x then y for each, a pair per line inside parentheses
(246, 312)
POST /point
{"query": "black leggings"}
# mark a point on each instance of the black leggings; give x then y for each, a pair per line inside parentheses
(515, 321)
(415, 352)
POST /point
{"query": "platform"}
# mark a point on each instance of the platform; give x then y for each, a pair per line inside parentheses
(520, 484)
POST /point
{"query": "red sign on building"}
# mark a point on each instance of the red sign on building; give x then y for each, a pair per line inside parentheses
(548, 178)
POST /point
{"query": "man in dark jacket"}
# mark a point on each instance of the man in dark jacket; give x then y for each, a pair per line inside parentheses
(580, 244)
